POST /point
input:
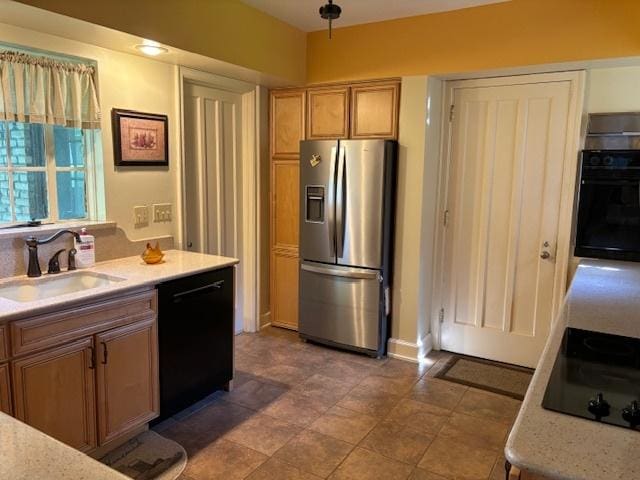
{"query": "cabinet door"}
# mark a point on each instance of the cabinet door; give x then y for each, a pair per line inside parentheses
(54, 392)
(127, 372)
(374, 110)
(327, 113)
(3, 344)
(5, 392)
(287, 123)
(284, 294)
(285, 187)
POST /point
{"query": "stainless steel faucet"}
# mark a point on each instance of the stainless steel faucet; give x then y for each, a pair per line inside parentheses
(34, 263)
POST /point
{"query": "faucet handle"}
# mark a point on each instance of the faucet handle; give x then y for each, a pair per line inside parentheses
(54, 262)
(71, 259)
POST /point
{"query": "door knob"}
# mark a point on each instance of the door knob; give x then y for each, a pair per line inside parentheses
(544, 255)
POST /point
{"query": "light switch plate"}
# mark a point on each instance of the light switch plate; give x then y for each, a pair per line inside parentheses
(162, 212)
(141, 216)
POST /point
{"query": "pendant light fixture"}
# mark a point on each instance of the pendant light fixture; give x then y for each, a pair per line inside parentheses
(330, 12)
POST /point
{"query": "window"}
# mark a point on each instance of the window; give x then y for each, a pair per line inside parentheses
(43, 173)
(50, 140)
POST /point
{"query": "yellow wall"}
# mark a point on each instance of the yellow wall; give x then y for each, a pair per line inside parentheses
(226, 30)
(515, 33)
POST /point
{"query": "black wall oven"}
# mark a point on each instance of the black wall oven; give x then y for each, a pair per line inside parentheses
(608, 224)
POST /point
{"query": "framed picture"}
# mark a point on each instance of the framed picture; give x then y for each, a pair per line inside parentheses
(139, 139)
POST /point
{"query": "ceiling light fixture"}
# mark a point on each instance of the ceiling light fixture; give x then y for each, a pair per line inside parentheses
(151, 48)
(330, 12)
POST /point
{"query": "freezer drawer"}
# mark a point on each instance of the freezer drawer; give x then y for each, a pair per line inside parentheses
(340, 305)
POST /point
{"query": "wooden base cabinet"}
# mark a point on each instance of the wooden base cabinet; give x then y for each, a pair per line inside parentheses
(127, 373)
(100, 383)
(55, 393)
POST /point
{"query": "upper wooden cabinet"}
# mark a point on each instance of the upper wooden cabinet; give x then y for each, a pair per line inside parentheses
(127, 374)
(287, 123)
(327, 113)
(374, 110)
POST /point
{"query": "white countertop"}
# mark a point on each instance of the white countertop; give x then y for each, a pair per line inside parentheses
(27, 454)
(604, 296)
(133, 270)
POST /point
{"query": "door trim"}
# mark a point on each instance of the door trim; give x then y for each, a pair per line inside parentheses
(254, 118)
(572, 148)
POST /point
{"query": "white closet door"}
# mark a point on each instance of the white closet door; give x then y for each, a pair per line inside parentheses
(507, 159)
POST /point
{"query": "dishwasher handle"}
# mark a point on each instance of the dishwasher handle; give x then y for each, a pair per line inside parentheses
(178, 297)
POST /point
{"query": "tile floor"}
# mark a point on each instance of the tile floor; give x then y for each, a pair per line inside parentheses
(301, 412)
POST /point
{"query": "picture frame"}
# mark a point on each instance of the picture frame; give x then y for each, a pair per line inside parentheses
(139, 139)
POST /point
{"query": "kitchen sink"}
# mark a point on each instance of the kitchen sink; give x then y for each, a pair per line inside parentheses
(31, 290)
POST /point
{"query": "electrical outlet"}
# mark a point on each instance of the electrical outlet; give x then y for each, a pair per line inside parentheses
(162, 212)
(141, 216)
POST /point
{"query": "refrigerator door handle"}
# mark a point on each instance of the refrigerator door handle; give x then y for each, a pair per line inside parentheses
(336, 272)
(340, 203)
(331, 205)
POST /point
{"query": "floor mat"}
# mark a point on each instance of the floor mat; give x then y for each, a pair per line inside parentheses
(494, 377)
(148, 456)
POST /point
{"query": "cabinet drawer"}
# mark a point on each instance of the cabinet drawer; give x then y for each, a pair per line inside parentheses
(43, 331)
(4, 350)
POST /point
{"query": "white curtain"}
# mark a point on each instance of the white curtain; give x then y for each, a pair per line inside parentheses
(43, 90)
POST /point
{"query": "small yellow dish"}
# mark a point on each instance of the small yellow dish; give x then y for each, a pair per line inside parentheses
(152, 255)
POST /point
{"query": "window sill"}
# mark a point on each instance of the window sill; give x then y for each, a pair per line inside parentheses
(9, 233)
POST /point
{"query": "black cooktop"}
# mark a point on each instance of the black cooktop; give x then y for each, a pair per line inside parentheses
(597, 376)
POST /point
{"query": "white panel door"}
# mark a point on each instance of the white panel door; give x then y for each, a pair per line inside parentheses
(213, 153)
(507, 160)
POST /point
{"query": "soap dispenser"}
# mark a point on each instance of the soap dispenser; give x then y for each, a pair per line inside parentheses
(86, 248)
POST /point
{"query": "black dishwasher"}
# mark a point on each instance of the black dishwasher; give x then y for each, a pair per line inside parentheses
(195, 338)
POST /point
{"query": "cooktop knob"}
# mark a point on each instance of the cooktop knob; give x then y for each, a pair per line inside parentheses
(599, 406)
(631, 413)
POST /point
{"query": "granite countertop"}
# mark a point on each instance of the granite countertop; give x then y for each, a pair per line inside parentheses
(134, 272)
(27, 453)
(604, 296)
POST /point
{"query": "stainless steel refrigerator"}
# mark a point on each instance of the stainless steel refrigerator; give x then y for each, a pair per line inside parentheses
(347, 190)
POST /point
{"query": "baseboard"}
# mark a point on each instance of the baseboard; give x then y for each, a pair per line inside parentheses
(409, 351)
(265, 320)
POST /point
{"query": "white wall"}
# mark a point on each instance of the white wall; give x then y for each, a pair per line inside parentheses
(134, 83)
(613, 90)
(415, 216)
(430, 216)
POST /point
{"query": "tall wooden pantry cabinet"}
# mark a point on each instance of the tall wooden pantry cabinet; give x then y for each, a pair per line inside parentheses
(322, 112)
